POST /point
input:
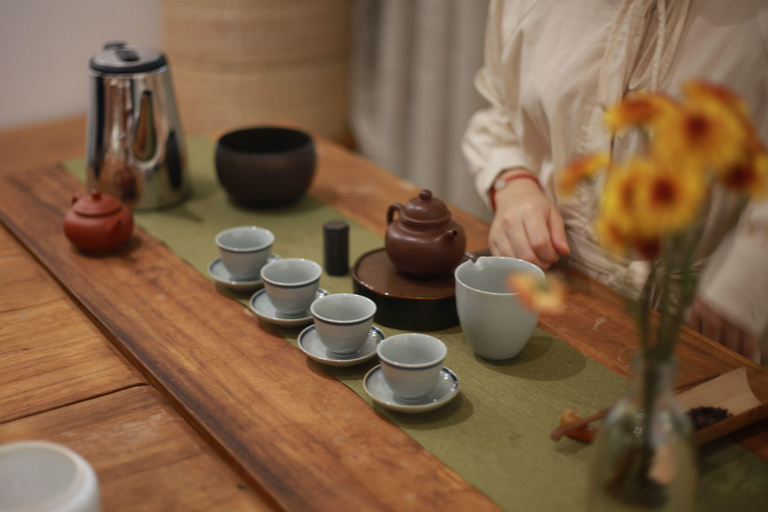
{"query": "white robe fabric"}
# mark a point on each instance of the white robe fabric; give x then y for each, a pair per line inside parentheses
(553, 67)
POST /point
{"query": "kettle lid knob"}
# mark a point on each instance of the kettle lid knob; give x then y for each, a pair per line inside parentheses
(118, 57)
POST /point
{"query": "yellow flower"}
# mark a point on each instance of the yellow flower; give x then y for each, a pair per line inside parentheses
(621, 241)
(698, 90)
(709, 130)
(618, 225)
(643, 201)
(668, 199)
(640, 109)
(612, 236)
(542, 295)
(581, 169)
(620, 196)
(750, 175)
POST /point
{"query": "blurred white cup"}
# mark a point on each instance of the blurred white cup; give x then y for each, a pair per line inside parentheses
(38, 476)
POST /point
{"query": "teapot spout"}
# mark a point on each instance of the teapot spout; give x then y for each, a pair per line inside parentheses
(449, 235)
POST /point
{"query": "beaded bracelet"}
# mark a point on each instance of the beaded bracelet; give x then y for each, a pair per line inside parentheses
(502, 181)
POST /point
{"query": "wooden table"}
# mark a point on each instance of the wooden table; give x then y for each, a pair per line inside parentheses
(177, 362)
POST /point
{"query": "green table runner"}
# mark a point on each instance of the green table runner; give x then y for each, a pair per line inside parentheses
(495, 434)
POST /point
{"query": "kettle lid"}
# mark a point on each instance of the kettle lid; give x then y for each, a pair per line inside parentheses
(425, 209)
(120, 58)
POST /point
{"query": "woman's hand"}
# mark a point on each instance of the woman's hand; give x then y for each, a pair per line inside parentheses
(527, 225)
(716, 327)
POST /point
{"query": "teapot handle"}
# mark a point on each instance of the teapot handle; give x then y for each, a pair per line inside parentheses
(391, 211)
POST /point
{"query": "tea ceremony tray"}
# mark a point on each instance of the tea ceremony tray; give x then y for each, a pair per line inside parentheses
(404, 302)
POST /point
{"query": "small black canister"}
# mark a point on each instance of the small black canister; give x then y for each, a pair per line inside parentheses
(336, 247)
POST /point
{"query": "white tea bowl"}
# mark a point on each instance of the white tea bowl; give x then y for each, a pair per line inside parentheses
(411, 364)
(495, 323)
(291, 284)
(244, 250)
(38, 476)
(343, 321)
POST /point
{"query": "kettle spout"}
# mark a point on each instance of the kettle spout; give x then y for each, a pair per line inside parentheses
(144, 143)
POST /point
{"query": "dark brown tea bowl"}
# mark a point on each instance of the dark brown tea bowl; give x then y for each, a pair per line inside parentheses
(265, 166)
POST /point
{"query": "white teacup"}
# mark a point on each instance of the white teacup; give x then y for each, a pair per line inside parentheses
(291, 284)
(38, 475)
(411, 364)
(244, 250)
(343, 321)
(496, 325)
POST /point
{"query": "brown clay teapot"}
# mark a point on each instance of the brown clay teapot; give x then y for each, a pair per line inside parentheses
(98, 222)
(424, 241)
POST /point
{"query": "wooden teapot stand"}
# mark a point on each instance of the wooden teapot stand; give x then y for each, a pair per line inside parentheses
(402, 301)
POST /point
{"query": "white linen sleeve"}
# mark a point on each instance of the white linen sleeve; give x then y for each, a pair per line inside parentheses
(490, 144)
(735, 281)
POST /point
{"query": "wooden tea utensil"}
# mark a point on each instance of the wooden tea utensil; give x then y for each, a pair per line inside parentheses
(690, 386)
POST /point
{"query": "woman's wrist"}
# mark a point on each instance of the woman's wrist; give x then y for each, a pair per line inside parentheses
(510, 175)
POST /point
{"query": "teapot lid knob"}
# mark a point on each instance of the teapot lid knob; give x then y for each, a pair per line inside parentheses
(96, 204)
(425, 209)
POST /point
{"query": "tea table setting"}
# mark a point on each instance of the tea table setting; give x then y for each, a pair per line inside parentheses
(289, 378)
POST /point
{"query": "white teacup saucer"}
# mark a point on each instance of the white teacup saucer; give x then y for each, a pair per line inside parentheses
(219, 272)
(310, 344)
(446, 389)
(263, 308)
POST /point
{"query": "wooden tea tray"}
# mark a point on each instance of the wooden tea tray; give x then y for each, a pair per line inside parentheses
(405, 302)
(730, 391)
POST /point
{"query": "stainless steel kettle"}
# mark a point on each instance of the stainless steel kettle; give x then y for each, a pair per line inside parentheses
(135, 147)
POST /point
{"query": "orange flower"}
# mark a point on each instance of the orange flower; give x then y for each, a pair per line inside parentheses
(640, 109)
(581, 169)
(542, 295)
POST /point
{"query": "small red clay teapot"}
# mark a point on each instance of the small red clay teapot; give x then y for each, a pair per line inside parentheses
(424, 241)
(98, 222)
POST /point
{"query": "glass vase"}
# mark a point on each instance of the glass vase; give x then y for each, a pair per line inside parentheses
(644, 456)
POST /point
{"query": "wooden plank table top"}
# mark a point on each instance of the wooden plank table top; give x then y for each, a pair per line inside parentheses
(305, 439)
(62, 381)
(50, 353)
(145, 456)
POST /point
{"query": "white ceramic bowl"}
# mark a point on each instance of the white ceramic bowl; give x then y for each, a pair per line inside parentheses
(38, 476)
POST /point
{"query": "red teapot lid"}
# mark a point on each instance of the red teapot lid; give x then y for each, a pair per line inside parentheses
(425, 209)
(96, 204)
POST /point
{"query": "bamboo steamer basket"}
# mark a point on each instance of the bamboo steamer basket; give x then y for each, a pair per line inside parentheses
(242, 63)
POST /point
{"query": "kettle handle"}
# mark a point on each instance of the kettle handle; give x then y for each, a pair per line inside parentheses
(391, 211)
